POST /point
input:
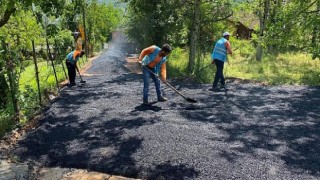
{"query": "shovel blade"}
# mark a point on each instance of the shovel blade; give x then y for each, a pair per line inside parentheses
(191, 100)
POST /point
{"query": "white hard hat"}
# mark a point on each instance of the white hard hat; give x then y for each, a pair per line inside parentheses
(225, 34)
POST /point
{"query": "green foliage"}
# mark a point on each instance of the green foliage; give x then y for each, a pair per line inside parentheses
(102, 19)
(21, 29)
(5, 121)
(28, 95)
(28, 100)
(177, 63)
(63, 40)
(28, 86)
(10, 7)
(156, 23)
(178, 66)
(289, 25)
(69, 18)
(16, 34)
(244, 48)
(51, 7)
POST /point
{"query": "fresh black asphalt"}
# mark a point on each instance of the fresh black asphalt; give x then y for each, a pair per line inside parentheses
(249, 132)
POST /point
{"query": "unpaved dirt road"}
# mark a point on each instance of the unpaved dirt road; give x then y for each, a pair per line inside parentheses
(250, 132)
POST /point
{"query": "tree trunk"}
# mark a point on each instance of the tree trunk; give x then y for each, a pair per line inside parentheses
(316, 29)
(12, 81)
(3, 90)
(263, 15)
(194, 36)
(7, 14)
(259, 52)
(275, 8)
(3, 84)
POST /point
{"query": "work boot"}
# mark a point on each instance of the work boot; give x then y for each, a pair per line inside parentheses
(146, 102)
(162, 99)
(71, 84)
(224, 87)
(214, 89)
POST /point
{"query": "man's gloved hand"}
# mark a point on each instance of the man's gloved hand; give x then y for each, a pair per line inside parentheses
(140, 63)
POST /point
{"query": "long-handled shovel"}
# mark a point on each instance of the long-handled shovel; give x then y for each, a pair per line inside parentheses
(184, 97)
(212, 63)
(197, 72)
(81, 80)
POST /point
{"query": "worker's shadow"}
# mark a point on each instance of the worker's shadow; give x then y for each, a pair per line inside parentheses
(143, 107)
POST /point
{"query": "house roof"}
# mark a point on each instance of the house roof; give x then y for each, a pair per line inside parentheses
(249, 20)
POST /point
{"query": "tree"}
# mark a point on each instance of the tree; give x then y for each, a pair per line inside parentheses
(315, 19)
(3, 82)
(9, 7)
(263, 13)
(157, 23)
(6, 11)
(204, 11)
(16, 35)
(70, 17)
(13, 34)
(178, 22)
(285, 25)
(101, 19)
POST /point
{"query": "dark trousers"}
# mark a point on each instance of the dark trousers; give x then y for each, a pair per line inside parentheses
(219, 73)
(71, 72)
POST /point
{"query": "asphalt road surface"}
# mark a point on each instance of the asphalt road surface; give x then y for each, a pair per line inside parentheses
(249, 132)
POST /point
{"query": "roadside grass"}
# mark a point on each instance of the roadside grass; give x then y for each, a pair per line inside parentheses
(288, 68)
(28, 93)
(28, 96)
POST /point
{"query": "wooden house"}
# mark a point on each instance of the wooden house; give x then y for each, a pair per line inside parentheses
(245, 25)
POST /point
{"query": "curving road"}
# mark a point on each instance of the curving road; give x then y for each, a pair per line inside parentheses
(251, 132)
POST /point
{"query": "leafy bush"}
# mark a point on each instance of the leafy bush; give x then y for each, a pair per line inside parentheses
(243, 48)
(29, 101)
(5, 121)
(64, 40)
(177, 63)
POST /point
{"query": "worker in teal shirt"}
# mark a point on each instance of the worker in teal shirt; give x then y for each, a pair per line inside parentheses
(219, 57)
